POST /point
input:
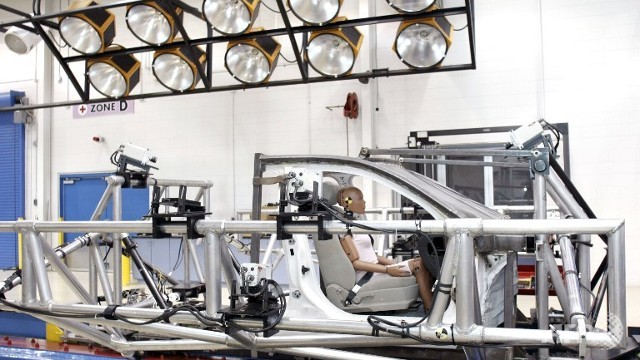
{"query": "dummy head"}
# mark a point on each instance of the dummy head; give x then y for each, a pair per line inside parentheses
(350, 198)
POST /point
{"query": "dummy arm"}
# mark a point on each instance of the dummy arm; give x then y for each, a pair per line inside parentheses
(350, 249)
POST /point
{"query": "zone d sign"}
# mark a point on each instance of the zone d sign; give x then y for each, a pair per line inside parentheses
(118, 107)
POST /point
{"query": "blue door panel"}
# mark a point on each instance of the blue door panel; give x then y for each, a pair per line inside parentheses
(11, 178)
(81, 193)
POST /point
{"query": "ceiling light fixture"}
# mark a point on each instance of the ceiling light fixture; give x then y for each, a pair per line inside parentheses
(177, 68)
(21, 41)
(333, 52)
(423, 43)
(90, 31)
(315, 12)
(153, 23)
(230, 17)
(114, 76)
(411, 6)
(252, 61)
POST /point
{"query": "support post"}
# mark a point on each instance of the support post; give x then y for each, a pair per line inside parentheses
(93, 275)
(616, 288)
(510, 303)
(542, 281)
(39, 268)
(213, 280)
(571, 278)
(196, 262)
(101, 273)
(445, 283)
(465, 317)
(29, 291)
(117, 242)
(584, 251)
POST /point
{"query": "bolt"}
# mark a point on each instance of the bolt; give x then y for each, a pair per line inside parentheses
(540, 166)
(296, 294)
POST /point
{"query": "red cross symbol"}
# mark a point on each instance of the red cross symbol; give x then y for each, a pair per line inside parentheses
(82, 109)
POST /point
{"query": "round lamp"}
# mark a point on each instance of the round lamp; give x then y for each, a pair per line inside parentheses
(333, 52)
(114, 76)
(177, 68)
(230, 17)
(411, 6)
(423, 43)
(90, 31)
(252, 61)
(315, 12)
(153, 23)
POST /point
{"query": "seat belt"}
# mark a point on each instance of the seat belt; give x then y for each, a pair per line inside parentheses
(354, 290)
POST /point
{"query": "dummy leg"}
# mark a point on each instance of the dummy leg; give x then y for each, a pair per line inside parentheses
(423, 279)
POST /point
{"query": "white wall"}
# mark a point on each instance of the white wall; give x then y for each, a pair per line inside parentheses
(571, 61)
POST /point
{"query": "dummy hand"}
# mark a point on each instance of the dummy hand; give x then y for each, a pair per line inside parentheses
(398, 271)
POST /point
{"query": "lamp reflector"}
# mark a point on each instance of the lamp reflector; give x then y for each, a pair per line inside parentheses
(153, 23)
(177, 68)
(90, 31)
(114, 76)
(315, 12)
(423, 43)
(20, 41)
(411, 6)
(333, 52)
(230, 17)
(252, 61)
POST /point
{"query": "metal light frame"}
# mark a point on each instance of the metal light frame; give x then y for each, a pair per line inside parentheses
(297, 35)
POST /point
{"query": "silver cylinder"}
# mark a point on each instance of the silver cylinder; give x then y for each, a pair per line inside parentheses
(445, 283)
(542, 281)
(69, 278)
(556, 280)
(29, 290)
(584, 251)
(117, 242)
(213, 278)
(39, 269)
(465, 289)
(195, 261)
(101, 272)
(571, 279)
(616, 288)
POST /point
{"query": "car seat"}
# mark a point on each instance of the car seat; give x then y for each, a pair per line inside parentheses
(381, 294)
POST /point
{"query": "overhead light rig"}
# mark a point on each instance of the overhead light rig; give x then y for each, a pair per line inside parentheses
(330, 44)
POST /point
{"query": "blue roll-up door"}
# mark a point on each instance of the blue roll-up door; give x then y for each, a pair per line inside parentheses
(11, 178)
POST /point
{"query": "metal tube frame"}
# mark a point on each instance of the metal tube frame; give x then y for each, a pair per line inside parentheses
(458, 262)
